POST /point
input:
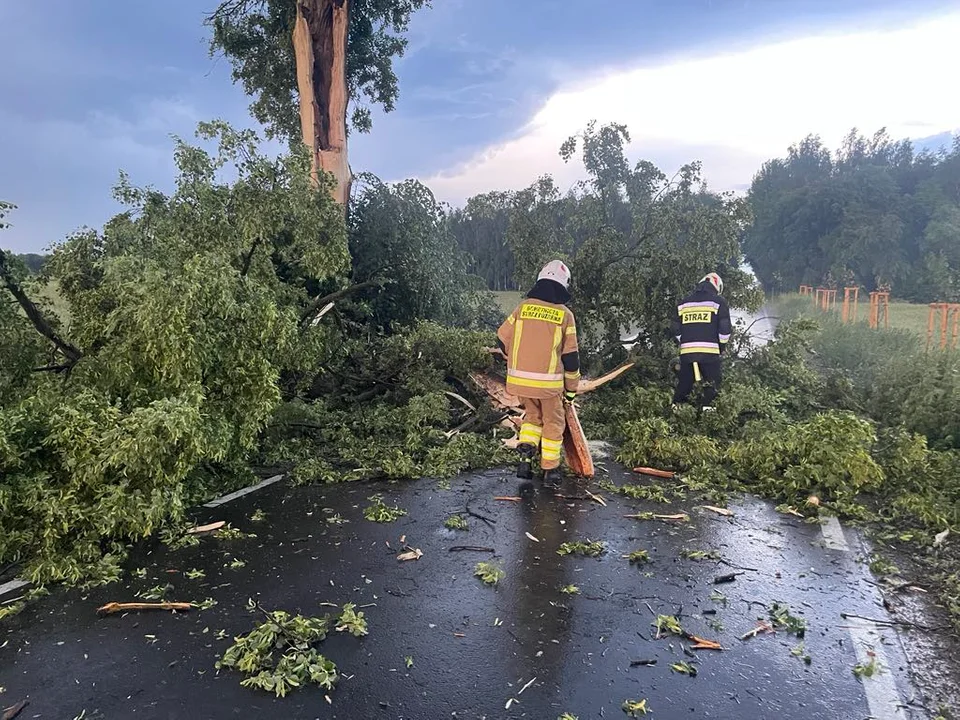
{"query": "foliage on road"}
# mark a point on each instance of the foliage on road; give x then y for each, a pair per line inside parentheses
(280, 654)
(864, 422)
(200, 340)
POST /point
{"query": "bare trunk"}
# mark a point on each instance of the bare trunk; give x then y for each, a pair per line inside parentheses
(320, 48)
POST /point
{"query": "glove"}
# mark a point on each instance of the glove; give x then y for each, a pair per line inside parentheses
(569, 396)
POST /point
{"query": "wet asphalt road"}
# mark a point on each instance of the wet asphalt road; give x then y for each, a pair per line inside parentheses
(577, 649)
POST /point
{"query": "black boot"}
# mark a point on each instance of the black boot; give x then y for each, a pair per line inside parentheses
(552, 478)
(524, 467)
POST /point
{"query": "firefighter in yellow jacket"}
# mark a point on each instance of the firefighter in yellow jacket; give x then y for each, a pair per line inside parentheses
(539, 340)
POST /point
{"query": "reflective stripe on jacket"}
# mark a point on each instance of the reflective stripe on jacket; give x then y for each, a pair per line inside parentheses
(540, 340)
(702, 325)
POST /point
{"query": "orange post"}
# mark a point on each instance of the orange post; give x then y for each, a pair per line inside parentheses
(806, 290)
(851, 297)
(879, 308)
(940, 314)
(956, 327)
(931, 315)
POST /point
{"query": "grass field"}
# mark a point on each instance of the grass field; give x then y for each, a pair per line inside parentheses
(508, 299)
(911, 317)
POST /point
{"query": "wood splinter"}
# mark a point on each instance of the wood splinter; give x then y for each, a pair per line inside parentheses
(115, 607)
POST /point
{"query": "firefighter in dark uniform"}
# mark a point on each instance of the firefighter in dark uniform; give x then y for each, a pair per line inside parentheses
(702, 327)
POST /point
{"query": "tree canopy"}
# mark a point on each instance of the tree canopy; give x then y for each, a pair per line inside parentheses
(636, 240)
(256, 36)
(873, 213)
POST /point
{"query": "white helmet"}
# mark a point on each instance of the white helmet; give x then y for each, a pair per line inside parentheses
(557, 271)
(714, 280)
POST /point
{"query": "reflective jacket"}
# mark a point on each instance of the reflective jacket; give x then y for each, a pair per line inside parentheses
(702, 325)
(540, 342)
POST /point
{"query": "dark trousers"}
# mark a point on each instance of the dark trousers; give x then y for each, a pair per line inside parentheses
(708, 372)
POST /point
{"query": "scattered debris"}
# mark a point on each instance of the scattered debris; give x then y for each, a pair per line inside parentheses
(489, 573)
(699, 555)
(258, 516)
(897, 623)
(644, 663)
(700, 644)
(236, 564)
(531, 537)
(684, 668)
(116, 607)
(157, 592)
(635, 708)
(470, 548)
(783, 619)
(869, 669)
(596, 498)
(800, 651)
(510, 702)
(790, 510)
(570, 590)
(589, 548)
(408, 661)
(813, 501)
(729, 578)
(526, 686)
(668, 623)
(508, 498)
(206, 604)
(295, 638)
(231, 533)
(762, 627)
(638, 556)
(718, 510)
(11, 712)
(682, 517)
(456, 522)
(352, 621)
(379, 512)
(654, 472)
(568, 716)
(718, 597)
(411, 554)
(941, 537)
(202, 529)
(195, 574)
(337, 519)
(11, 608)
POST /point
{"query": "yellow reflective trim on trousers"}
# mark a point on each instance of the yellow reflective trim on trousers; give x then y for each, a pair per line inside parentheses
(705, 351)
(696, 372)
(555, 353)
(550, 449)
(530, 434)
(517, 333)
(524, 382)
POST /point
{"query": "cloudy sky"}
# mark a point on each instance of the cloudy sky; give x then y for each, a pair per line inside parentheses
(489, 90)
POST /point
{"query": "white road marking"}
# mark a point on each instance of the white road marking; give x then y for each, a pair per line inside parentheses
(833, 537)
(11, 586)
(245, 491)
(883, 699)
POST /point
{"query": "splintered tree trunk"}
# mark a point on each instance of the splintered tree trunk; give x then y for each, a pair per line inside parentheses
(320, 48)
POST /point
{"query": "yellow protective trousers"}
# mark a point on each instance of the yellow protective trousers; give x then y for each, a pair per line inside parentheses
(543, 425)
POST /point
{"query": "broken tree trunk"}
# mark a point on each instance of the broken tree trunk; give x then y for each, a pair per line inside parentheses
(320, 48)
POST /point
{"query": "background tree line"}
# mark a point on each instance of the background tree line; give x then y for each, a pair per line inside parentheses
(873, 213)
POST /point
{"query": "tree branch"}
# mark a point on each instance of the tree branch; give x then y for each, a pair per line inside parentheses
(33, 313)
(318, 303)
(249, 257)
